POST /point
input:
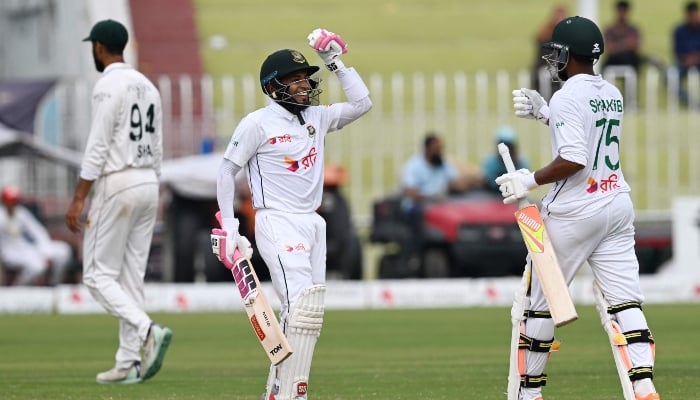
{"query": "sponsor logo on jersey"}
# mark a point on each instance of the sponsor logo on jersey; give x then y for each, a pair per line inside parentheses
(297, 247)
(286, 138)
(609, 184)
(308, 161)
(592, 185)
(98, 97)
(293, 164)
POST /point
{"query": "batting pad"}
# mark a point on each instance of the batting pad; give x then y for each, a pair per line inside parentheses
(303, 329)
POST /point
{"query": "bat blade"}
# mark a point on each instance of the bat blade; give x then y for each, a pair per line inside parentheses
(546, 265)
(260, 314)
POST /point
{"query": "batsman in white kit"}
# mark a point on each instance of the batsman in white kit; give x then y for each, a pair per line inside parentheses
(281, 148)
(121, 166)
(587, 213)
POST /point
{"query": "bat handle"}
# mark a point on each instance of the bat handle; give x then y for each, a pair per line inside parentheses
(505, 155)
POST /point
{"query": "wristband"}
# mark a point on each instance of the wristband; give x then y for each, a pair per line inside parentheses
(335, 65)
(529, 181)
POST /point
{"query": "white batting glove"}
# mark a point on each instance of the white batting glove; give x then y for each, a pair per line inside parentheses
(329, 47)
(530, 104)
(516, 185)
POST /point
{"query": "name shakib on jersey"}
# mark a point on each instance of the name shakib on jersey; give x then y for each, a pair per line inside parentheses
(598, 105)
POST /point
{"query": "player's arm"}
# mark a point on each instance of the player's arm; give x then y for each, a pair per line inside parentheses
(244, 143)
(329, 46)
(82, 189)
(105, 109)
(559, 169)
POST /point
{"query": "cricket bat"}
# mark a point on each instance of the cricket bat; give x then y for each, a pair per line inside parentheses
(542, 255)
(261, 316)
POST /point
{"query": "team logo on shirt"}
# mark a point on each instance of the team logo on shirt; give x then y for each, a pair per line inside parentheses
(312, 131)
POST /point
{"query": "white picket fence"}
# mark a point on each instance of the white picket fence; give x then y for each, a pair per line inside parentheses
(660, 141)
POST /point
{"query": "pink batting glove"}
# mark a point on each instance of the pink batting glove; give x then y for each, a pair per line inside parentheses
(324, 40)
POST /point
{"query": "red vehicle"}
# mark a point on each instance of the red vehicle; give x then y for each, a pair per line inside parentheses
(470, 235)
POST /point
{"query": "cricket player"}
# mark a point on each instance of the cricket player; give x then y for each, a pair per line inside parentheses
(121, 165)
(588, 212)
(25, 243)
(281, 147)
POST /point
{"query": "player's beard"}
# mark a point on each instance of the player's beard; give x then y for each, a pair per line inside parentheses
(563, 76)
(436, 160)
(99, 65)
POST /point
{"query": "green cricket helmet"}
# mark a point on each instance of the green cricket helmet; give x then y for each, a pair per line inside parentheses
(574, 35)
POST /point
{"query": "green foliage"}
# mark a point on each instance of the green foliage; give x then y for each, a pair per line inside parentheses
(368, 354)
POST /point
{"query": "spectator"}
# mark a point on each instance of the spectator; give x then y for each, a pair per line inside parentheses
(493, 167)
(686, 45)
(427, 177)
(544, 34)
(622, 39)
(25, 244)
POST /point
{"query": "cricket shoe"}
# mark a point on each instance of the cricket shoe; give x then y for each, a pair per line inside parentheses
(121, 375)
(154, 349)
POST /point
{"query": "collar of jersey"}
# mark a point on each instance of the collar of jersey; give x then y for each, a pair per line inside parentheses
(283, 112)
(116, 65)
(583, 77)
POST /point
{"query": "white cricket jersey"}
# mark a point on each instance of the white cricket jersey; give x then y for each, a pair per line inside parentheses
(283, 158)
(127, 129)
(586, 125)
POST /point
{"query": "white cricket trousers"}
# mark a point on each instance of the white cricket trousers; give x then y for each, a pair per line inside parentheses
(294, 249)
(606, 242)
(117, 241)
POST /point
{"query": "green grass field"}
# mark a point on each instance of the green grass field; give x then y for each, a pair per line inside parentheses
(406, 35)
(380, 354)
